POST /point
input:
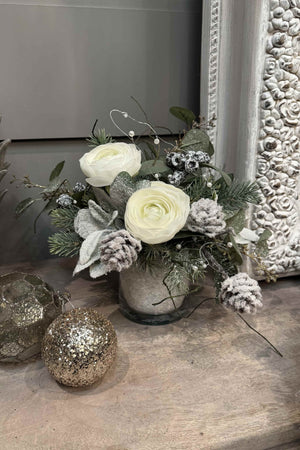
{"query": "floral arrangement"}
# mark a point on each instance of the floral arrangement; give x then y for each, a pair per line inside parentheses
(153, 201)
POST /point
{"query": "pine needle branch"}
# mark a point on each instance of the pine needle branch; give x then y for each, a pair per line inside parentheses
(64, 217)
(238, 195)
(64, 244)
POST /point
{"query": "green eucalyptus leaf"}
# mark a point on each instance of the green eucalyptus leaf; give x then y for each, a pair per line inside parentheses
(153, 166)
(121, 189)
(23, 205)
(265, 235)
(197, 140)
(57, 170)
(237, 222)
(53, 186)
(183, 114)
(262, 248)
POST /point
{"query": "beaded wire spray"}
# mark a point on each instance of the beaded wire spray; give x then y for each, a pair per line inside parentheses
(131, 133)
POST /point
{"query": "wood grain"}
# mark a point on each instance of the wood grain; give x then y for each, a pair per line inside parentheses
(206, 382)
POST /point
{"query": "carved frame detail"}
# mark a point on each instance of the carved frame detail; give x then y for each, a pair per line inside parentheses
(278, 151)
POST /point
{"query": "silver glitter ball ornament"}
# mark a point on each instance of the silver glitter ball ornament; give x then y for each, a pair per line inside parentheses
(79, 347)
(27, 307)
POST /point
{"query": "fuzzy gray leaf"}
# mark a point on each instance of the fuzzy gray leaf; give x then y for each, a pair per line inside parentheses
(84, 224)
(89, 251)
(103, 218)
(97, 270)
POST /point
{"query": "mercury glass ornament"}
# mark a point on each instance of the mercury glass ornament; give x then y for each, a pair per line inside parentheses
(27, 307)
(79, 347)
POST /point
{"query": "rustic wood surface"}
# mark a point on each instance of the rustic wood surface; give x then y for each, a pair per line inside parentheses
(207, 382)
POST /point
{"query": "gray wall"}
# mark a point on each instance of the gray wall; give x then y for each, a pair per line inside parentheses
(69, 62)
(37, 158)
(66, 62)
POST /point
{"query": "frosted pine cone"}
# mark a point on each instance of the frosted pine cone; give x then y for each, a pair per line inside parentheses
(119, 250)
(241, 293)
(206, 216)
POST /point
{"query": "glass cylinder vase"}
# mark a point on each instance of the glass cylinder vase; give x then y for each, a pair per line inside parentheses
(144, 297)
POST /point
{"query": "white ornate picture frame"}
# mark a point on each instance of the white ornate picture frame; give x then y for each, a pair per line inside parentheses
(250, 80)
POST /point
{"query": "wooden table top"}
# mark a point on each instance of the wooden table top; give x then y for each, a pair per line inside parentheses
(207, 382)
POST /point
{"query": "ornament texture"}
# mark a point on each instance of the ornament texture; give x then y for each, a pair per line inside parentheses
(241, 293)
(27, 307)
(206, 216)
(119, 250)
(79, 347)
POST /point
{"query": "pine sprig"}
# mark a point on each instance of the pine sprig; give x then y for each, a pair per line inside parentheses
(64, 244)
(98, 137)
(237, 195)
(198, 189)
(64, 217)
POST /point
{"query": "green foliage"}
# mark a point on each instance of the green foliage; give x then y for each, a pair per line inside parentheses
(64, 243)
(197, 140)
(237, 222)
(262, 248)
(153, 166)
(64, 217)
(98, 137)
(23, 205)
(197, 189)
(237, 195)
(57, 171)
(183, 114)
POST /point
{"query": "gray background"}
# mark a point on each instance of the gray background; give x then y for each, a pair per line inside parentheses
(67, 63)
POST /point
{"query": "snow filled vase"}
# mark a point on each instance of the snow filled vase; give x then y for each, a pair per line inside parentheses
(144, 297)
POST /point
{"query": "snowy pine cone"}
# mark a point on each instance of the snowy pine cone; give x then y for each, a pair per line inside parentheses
(206, 216)
(119, 250)
(241, 293)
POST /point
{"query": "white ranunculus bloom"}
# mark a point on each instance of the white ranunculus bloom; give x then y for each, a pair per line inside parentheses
(155, 214)
(102, 164)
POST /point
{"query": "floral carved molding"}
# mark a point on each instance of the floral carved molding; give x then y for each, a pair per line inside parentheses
(278, 153)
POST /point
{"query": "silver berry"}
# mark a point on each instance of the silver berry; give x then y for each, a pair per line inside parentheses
(79, 187)
(65, 200)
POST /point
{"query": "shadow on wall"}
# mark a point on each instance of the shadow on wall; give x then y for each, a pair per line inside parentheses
(36, 159)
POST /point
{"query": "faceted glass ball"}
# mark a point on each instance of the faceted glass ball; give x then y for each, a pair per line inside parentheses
(79, 347)
(27, 307)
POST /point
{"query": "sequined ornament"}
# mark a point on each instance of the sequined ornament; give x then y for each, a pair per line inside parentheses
(27, 307)
(79, 347)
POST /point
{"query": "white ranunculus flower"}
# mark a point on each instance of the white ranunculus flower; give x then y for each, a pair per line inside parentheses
(102, 164)
(155, 214)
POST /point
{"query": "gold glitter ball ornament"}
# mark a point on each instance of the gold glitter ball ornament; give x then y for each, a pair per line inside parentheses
(27, 307)
(79, 347)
